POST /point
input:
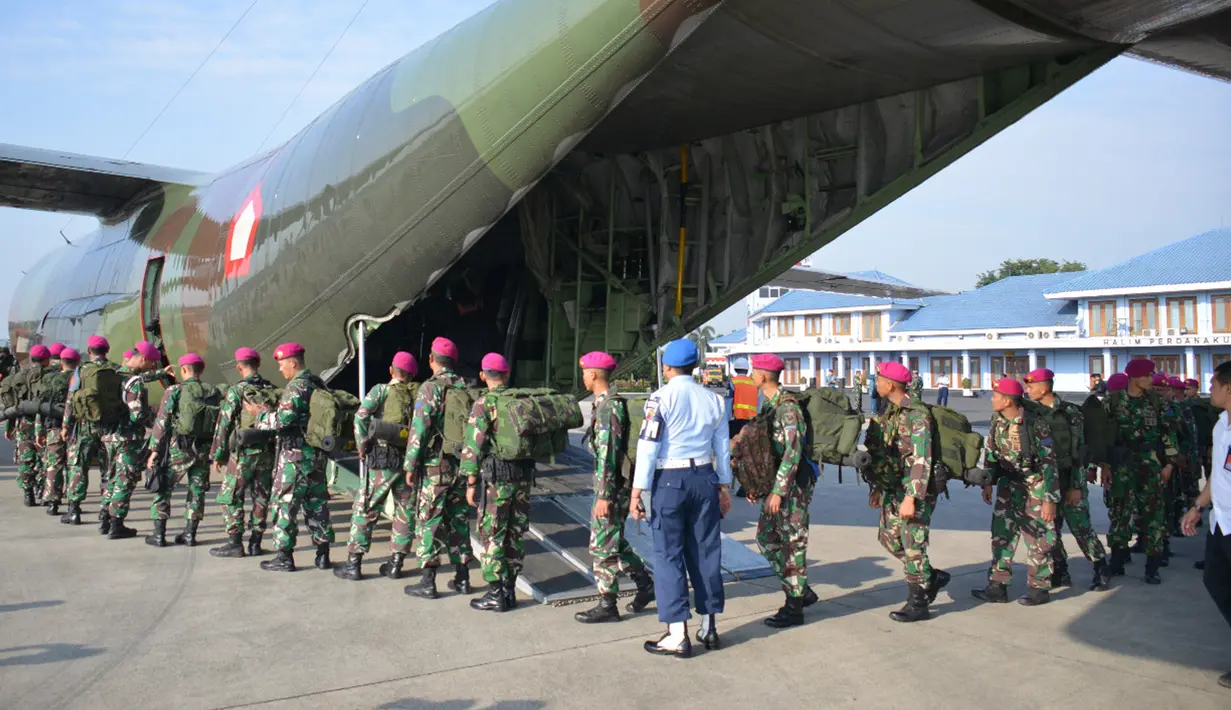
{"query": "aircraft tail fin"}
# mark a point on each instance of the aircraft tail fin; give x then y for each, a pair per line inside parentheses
(56, 181)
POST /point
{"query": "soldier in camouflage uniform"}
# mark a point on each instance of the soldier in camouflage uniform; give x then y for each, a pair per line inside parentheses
(84, 440)
(50, 440)
(608, 440)
(900, 443)
(110, 440)
(1146, 449)
(1019, 450)
(382, 476)
(1188, 472)
(442, 522)
(916, 387)
(1075, 504)
(8, 363)
(246, 471)
(130, 440)
(299, 477)
(185, 460)
(20, 429)
(506, 515)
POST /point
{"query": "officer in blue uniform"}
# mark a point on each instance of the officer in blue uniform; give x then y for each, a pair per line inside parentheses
(684, 460)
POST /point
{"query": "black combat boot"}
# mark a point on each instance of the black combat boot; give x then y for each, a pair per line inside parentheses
(73, 516)
(104, 522)
(791, 614)
(1060, 576)
(461, 580)
(1115, 567)
(351, 570)
(494, 600)
(189, 535)
(393, 568)
(916, 607)
(510, 593)
(284, 562)
(606, 610)
(1165, 559)
(810, 597)
(1152, 565)
(233, 548)
(53, 507)
(994, 593)
(645, 591)
(1199, 565)
(1102, 577)
(159, 537)
(322, 556)
(426, 588)
(254, 544)
(119, 531)
(938, 581)
(30, 498)
(1035, 597)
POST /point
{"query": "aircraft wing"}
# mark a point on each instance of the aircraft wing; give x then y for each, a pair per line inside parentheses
(1200, 47)
(813, 280)
(55, 181)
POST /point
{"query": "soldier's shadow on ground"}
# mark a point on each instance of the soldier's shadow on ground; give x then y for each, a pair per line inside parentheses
(420, 704)
(853, 574)
(8, 608)
(43, 653)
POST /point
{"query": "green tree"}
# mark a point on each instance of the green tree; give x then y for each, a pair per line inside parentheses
(1027, 267)
(702, 337)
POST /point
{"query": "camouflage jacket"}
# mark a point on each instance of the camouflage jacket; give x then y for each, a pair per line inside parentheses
(229, 414)
(916, 387)
(608, 437)
(1187, 438)
(785, 437)
(1035, 459)
(1147, 429)
(478, 429)
(371, 406)
(294, 407)
(427, 423)
(1077, 430)
(140, 417)
(906, 446)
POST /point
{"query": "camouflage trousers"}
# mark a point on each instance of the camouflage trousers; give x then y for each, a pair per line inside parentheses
(1018, 514)
(506, 517)
(611, 552)
(247, 472)
(193, 470)
(379, 485)
(26, 453)
(127, 465)
(84, 444)
(299, 483)
(907, 539)
(1136, 492)
(54, 459)
(1078, 518)
(106, 474)
(443, 520)
(783, 538)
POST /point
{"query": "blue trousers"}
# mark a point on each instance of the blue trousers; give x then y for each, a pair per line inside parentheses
(942, 397)
(686, 522)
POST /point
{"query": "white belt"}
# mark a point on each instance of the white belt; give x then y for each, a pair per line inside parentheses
(683, 463)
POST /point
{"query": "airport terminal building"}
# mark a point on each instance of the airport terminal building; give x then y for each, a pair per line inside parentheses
(1172, 305)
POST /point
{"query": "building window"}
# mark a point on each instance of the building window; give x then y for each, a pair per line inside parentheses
(871, 327)
(997, 368)
(1103, 318)
(842, 324)
(1143, 315)
(1222, 313)
(1096, 365)
(1170, 364)
(976, 374)
(764, 292)
(764, 329)
(1182, 314)
(1220, 359)
(786, 326)
(812, 325)
(790, 374)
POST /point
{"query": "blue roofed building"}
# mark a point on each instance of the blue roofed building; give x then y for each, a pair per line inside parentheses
(1172, 305)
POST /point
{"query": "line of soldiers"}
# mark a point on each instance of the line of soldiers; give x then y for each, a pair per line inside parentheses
(289, 476)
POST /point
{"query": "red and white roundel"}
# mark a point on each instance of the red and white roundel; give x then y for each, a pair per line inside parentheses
(243, 235)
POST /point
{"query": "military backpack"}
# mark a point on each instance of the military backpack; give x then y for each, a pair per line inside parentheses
(1205, 414)
(196, 412)
(399, 405)
(53, 392)
(955, 448)
(1100, 431)
(459, 402)
(99, 398)
(532, 423)
(8, 391)
(263, 395)
(832, 425)
(1068, 457)
(331, 419)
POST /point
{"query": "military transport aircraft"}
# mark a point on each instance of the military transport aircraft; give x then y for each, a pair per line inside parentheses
(626, 168)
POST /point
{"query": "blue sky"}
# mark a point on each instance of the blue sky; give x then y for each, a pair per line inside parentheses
(1132, 158)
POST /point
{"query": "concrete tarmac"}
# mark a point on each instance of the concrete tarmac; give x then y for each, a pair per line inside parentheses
(87, 622)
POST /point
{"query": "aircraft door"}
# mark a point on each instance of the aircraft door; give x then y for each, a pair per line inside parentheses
(151, 324)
